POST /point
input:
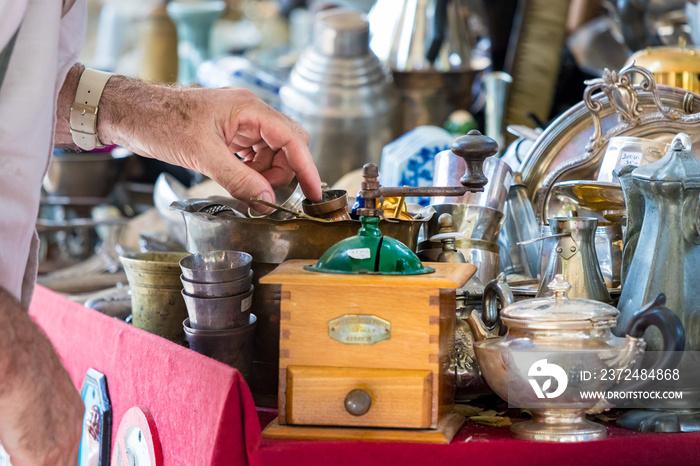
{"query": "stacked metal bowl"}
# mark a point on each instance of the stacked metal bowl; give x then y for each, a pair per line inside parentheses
(218, 293)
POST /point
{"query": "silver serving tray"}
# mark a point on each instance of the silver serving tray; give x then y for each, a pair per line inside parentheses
(572, 147)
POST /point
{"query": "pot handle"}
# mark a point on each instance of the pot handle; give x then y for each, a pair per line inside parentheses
(497, 295)
(658, 315)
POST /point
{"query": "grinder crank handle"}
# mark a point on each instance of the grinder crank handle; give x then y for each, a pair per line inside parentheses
(474, 148)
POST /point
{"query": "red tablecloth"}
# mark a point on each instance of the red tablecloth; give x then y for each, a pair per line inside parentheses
(488, 446)
(205, 413)
(203, 409)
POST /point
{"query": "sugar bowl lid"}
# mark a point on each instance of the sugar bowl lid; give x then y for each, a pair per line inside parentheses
(558, 312)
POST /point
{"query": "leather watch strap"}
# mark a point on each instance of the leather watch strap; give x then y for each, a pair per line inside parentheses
(83, 113)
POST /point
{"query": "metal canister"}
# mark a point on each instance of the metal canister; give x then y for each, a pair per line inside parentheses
(341, 94)
(430, 49)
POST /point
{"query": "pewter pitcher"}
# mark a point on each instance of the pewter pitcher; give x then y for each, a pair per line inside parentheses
(666, 258)
(574, 257)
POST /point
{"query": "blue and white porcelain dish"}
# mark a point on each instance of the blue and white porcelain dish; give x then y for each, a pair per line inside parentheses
(409, 160)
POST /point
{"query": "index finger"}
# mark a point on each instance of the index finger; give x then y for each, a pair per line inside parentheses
(281, 134)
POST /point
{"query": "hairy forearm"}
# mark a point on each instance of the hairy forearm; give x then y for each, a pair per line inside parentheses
(19, 343)
(150, 119)
(200, 129)
(123, 110)
(128, 110)
(66, 96)
(31, 376)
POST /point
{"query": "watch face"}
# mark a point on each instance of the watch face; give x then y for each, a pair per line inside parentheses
(97, 421)
(137, 440)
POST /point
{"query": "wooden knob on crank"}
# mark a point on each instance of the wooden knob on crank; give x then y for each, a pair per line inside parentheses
(474, 148)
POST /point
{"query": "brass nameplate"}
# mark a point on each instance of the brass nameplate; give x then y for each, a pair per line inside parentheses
(355, 329)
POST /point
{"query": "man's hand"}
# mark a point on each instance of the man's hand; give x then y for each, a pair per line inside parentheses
(41, 412)
(204, 129)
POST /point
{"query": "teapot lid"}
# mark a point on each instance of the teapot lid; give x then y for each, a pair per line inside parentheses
(558, 312)
(677, 165)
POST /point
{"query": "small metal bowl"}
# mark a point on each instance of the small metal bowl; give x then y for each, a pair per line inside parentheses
(216, 266)
(219, 313)
(217, 290)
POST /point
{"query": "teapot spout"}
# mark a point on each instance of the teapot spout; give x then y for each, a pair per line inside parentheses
(477, 326)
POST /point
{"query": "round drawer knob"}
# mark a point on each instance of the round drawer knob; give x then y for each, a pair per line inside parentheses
(358, 402)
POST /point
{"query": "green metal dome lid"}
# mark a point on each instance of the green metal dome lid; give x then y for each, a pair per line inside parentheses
(370, 253)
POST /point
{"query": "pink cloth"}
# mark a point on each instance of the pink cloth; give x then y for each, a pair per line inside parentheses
(204, 412)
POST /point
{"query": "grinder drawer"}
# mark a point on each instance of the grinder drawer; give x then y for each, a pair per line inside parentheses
(341, 396)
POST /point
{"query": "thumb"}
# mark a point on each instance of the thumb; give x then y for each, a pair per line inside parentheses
(244, 183)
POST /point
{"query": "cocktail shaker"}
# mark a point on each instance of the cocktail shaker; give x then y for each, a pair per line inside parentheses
(341, 94)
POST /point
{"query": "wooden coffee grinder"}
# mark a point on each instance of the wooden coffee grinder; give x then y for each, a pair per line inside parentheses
(367, 332)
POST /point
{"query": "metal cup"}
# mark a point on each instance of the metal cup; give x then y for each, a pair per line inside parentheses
(216, 266)
(219, 313)
(473, 221)
(233, 347)
(495, 86)
(217, 290)
(449, 168)
(483, 254)
(156, 303)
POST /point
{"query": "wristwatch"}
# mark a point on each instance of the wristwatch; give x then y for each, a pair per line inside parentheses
(83, 112)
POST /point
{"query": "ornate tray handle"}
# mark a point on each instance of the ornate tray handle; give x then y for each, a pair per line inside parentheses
(622, 95)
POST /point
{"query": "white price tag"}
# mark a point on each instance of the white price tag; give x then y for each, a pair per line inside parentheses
(361, 253)
(630, 158)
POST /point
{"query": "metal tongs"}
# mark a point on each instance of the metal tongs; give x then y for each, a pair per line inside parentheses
(296, 213)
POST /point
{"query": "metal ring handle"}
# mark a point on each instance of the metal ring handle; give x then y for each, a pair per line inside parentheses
(496, 292)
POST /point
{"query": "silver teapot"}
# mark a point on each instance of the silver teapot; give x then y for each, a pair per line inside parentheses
(575, 334)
